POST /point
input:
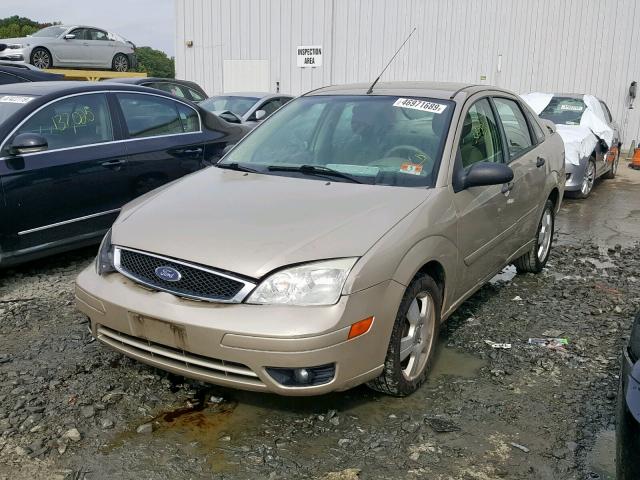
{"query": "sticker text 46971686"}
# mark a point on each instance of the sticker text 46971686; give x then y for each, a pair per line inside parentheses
(421, 105)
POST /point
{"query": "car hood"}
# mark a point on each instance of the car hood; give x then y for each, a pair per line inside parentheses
(251, 224)
(8, 41)
(579, 142)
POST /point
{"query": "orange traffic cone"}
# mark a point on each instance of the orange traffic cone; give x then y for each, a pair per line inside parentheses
(635, 161)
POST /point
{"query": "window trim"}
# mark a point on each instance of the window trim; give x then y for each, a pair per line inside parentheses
(24, 120)
(529, 129)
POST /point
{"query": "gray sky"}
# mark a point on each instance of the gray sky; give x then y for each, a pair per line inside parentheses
(144, 22)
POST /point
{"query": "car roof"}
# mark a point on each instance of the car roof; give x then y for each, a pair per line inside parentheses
(259, 95)
(137, 80)
(444, 90)
(32, 75)
(66, 86)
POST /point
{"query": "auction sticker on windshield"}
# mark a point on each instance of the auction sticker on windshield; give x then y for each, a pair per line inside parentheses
(421, 105)
(15, 99)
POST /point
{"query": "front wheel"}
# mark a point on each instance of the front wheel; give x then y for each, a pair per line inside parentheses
(413, 339)
(588, 180)
(536, 258)
(120, 63)
(41, 58)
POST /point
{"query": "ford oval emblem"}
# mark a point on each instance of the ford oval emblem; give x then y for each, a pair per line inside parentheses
(168, 274)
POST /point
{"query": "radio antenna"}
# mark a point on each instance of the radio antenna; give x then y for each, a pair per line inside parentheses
(370, 91)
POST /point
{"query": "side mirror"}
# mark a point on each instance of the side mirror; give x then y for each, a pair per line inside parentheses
(483, 174)
(28, 143)
(69, 36)
(260, 115)
(230, 117)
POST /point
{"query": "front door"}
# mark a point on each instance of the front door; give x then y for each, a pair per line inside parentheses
(74, 189)
(73, 51)
(529, 174)
(480, 210)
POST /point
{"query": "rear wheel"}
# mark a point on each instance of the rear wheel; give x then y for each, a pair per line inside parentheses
(41, 58)
(413, 339)
(536, 258)
(120, 63)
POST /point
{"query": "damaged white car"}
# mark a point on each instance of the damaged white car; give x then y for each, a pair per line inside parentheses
(591, 137)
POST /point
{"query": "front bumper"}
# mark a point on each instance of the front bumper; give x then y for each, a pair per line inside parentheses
(233, 344)
(575, 174)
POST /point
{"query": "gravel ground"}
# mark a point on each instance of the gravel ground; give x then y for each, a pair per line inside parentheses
(72, 409)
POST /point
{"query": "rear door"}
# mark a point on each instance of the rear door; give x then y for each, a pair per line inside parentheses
(101, 47)
(164, 139)
(75, 188)
(529, 166)
(480, 210)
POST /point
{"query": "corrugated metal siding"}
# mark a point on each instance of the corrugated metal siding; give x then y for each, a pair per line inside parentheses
(547, 45)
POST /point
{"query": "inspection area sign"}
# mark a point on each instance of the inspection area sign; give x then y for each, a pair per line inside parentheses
(309, 56)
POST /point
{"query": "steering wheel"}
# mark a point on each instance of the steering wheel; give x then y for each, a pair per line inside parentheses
(394, 156)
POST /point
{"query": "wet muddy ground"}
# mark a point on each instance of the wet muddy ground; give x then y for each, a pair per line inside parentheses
(72, 409)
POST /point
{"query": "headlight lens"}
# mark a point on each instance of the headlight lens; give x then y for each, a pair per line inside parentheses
(318, 283)
(14, 46)
(104, 260)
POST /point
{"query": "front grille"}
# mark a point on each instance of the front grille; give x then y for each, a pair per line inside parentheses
(186, 362)
(195, 281)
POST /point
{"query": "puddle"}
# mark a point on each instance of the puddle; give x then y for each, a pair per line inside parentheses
(449, 361)
(506, 275)
(601, 459)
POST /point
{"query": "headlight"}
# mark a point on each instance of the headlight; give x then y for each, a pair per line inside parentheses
(104, 260)
(14, 46)
(318, 283)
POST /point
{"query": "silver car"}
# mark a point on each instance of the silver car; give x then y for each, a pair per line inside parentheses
(70, 46)
(249, 108)
(327, 247)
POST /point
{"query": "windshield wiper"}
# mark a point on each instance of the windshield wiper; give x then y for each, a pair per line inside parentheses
(236, 166)
(314, 170)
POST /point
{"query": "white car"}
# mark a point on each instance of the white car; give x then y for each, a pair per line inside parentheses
(76, 46)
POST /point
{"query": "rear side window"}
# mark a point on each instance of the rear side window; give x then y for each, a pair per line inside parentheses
(195, 95)
(515, 126)
(72, 122)
(151, 116)
(537, 130)
(480, 140)
(171, 88)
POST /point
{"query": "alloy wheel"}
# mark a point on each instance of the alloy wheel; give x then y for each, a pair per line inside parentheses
(120, 63)
(589, 179)
(545, 232)
(418, 335)
(41, 59)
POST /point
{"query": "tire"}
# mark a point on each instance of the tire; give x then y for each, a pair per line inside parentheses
(536, 258)
(611, 173)
(421, 303)
(120, 63)
(589, 179)
(41, 58)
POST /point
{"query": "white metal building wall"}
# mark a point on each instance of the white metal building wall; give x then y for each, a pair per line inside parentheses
(525, 45)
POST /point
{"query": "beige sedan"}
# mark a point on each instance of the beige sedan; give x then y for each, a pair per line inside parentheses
(327, 247)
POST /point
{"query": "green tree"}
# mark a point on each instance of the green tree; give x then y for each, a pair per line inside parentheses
(155, 63)
(15, 26)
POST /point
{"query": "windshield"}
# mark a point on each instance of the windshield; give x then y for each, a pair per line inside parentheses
(564, 110)
(237, 105)
(380, 140)
(10, 104)
(51, 32)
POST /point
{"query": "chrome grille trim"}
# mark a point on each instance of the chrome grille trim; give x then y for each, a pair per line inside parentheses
(180, 358)
(238, 298)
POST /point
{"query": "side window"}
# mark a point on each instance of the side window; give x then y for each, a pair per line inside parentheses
(72, 122)
(271, 106)
(80, 33)
(190, 119)
(97, 35)
(195, 95)
(480, 140)
(515, 126)
(168, 87)
(149, 115)
(537, 130)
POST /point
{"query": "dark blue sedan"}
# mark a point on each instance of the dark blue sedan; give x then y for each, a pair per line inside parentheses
(72, 153)
(628, 415)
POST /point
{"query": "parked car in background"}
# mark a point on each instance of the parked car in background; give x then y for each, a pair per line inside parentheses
(337, 235)
(249, 108)
(72, 153)
(591, 136)
(628, 411)
(180, 88)
(18, 75)
(75, 46)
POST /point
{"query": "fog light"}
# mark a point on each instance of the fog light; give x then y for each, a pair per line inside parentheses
(303, 377)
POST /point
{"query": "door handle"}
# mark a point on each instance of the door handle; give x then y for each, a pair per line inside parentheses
(506, 188)
(113, 163)
(540, 162)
